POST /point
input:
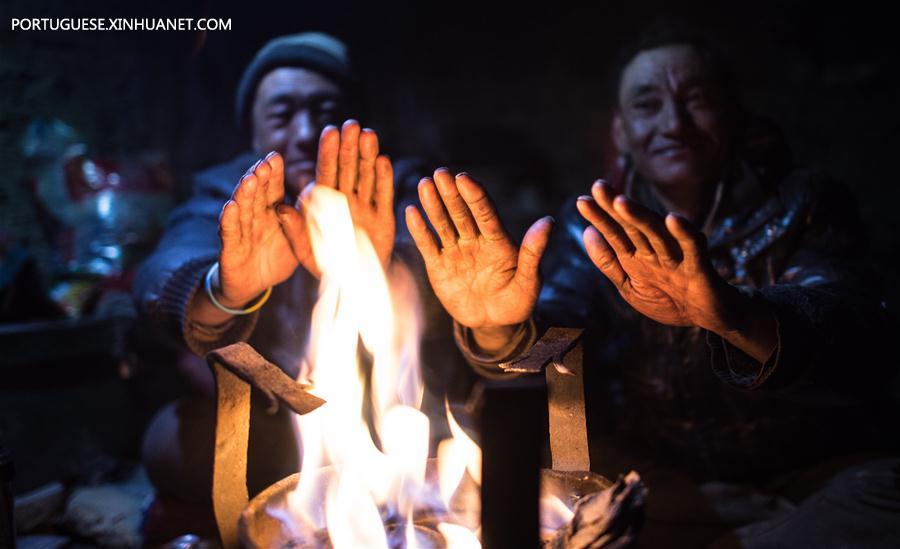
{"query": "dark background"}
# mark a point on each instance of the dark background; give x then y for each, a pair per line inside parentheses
(506, 91)
(519, 96)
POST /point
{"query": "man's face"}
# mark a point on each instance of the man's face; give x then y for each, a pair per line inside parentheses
(291, 107)
(670, 120)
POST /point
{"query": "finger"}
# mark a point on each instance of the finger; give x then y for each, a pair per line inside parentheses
(422, 235)
(483, 210)
(603, 222)
(275, 194)
(348, 157)
(293, 225)
(604, 257)
(384, 184)
(240, 191)
(327, 161)
(652, 226)
(533, 245)
(262, 173)
(604, 195)
(456, 206)
(691, 241)
(437, 215)
(368, 153)
(230, 225)
(244, 195)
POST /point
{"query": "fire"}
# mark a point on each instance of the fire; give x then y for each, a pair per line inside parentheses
(554, 514)
(363, 482)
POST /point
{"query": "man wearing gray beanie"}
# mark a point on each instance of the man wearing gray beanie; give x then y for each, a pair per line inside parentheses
(293, 89)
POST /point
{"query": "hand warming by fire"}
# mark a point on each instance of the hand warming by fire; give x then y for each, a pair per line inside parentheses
(660, 267)
(264, 239)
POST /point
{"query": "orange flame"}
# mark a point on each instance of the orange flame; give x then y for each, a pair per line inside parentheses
(347, 482)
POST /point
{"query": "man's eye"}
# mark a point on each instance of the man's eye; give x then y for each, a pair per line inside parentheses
(699, 99)
(326, 112)
(278, 118)
(646, 105)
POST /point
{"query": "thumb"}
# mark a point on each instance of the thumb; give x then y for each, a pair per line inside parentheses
(532, 249)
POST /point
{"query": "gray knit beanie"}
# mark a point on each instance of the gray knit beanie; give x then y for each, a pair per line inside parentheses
(316, 51)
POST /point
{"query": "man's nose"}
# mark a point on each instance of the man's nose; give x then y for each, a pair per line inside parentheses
(675, 118)
(304, 131)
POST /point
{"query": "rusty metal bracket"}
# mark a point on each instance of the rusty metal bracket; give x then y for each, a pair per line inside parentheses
(559, 355)
(236, 368)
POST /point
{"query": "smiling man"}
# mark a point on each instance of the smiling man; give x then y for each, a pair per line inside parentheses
(732, 330)
(672, 121)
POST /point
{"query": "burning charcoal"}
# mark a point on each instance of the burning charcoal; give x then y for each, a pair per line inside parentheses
(607, 519)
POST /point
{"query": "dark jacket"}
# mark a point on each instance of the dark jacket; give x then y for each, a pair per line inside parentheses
(686, 398)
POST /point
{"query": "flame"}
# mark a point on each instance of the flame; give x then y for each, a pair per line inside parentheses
(554, 514)
(458, 537)
(347, 482)
(469, 450)
(351, 485)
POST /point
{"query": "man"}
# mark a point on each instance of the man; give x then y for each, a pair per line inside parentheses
(235, 262)
(730, 332)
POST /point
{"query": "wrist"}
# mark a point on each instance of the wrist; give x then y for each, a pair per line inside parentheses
(747, 322)
(215, 288)
(734, 308)
(492, 338)
(234, 306)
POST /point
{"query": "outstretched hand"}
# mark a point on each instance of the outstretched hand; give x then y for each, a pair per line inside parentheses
(264, 240)
(661, 267)
(478, 274)
(348, 161)
(255, 254)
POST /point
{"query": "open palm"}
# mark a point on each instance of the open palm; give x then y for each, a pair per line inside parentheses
(256, 253)
(659, 265)
(477, 273)
(264, 240)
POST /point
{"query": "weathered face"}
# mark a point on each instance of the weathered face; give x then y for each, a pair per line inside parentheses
(291, 107)
(670, 119)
